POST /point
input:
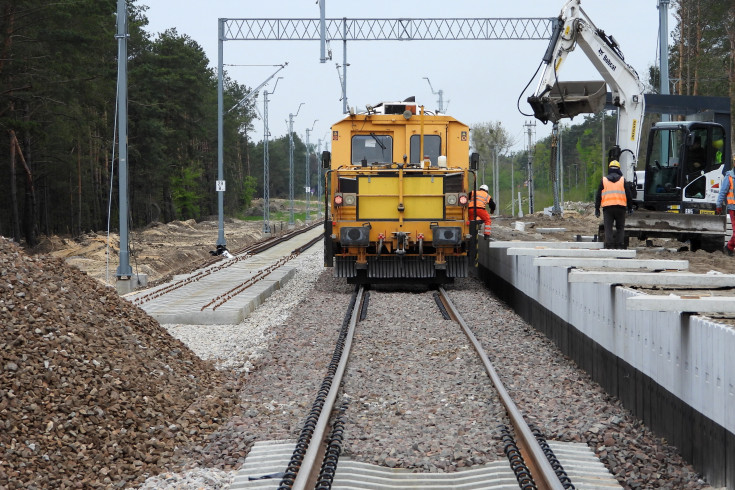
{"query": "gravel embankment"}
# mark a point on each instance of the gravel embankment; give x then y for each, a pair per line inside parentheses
(93, 392)
(164, 407)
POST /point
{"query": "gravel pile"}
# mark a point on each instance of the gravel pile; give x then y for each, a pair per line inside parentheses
(93, 392)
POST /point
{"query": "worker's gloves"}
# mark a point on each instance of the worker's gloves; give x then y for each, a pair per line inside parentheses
(597, 213)
(718, 210)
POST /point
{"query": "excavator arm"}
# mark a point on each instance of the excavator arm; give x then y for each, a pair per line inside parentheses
(554, 100)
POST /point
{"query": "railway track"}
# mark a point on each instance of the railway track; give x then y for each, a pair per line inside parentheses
(227, 290)
(314, 462)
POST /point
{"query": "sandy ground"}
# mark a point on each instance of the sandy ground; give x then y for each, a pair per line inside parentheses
(162, 250)
(579, 219)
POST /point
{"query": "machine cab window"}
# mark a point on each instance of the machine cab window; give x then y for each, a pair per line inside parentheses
(666, 149)
(432, 148)
(680, 158)
(369, 149)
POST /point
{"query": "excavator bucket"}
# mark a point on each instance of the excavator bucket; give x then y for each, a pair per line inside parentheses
(568, 99)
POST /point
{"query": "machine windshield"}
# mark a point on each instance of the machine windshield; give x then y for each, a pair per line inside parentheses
(372, 149)
(666, 147)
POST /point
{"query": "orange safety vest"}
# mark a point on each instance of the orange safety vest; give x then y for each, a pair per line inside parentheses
(481, 199)
(730, 194)
(613, 193)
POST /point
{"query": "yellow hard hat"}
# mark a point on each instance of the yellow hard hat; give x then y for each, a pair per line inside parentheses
(614, 163)
(717, 144)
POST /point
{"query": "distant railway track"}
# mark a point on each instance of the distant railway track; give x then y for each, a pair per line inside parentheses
(315, 459)
(218, 263)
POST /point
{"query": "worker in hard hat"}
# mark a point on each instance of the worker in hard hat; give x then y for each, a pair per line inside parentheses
(478, 202)
(615, 198)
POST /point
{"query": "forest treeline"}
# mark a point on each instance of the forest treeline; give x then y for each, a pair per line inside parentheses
(58, 77)
(58, 73)
(701, 62)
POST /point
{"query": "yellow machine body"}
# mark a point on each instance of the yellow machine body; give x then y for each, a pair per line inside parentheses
(397, 190)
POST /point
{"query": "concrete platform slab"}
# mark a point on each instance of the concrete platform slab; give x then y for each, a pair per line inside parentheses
(567, 252)
(551, 230)
(591, 263)
(684, 303)
(681, 279)
(572, 245)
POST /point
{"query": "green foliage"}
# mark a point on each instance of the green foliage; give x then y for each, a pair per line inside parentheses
(249, 186)
(184, 189)
(59, 71)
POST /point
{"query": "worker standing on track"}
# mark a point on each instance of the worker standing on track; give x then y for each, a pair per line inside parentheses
(478, 202)
(614, 197)
(727, 193)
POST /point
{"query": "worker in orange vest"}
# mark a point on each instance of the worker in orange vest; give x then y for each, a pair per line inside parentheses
(727, 196)
(478, 201)
(615, 198)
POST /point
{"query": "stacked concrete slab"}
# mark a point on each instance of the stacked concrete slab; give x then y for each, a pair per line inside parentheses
(674, 369)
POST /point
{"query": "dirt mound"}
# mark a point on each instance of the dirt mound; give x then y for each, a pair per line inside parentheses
(93, 392)
(159, 250)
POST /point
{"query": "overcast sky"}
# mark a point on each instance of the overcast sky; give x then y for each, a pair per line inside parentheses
(481, 80)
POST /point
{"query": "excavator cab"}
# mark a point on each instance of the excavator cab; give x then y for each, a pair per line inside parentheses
(685, 161)
(569, 99)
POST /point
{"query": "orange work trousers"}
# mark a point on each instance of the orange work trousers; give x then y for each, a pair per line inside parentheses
(481, 214)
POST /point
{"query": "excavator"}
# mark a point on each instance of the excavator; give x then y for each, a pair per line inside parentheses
(685, 160)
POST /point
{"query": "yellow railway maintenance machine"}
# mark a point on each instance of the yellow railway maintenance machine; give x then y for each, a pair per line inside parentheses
(397, 189)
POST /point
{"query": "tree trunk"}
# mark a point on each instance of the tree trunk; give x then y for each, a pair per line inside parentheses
(9, 14)
(697, 39)
(680, 68)
(13, 190)
(29, 210)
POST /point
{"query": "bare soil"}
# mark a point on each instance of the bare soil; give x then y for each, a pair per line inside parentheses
(160, 250)
(579, 220)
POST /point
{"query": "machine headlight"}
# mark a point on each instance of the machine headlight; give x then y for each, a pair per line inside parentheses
(446, 236)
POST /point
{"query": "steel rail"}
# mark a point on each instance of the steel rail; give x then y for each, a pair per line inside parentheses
(309, 471)
(543, 474)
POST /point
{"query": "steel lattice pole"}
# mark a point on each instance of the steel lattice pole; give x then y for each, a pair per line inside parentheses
(266, 169)
(291, 221)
